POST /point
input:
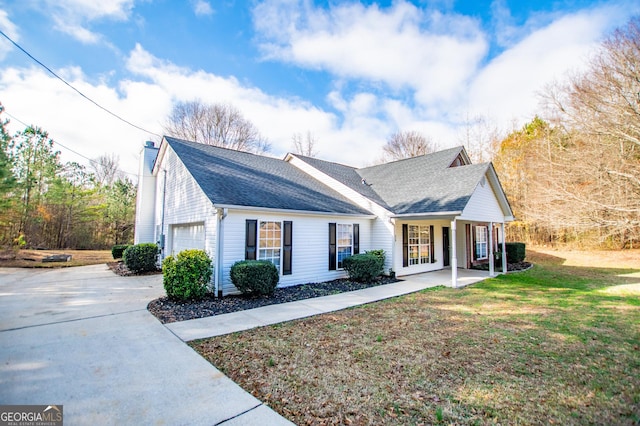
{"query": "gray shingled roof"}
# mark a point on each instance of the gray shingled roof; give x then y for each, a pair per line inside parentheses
(230, 177)
(415, 185)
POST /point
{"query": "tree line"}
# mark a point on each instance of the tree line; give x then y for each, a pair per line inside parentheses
(49, 204)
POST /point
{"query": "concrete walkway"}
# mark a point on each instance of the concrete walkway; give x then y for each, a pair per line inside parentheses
(273, 314)
(83, 338)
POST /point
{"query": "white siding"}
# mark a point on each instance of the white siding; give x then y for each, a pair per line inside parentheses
(483, 205)
(310, 245)
(437, 247)
(181, 200)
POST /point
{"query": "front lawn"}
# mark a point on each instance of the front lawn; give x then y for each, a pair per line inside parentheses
(556, 344)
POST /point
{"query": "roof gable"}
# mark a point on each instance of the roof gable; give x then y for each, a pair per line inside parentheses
(229, 177)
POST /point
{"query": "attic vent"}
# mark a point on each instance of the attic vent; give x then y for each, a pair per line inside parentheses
(483, 182)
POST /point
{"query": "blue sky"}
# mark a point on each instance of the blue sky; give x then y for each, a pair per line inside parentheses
(351, 73)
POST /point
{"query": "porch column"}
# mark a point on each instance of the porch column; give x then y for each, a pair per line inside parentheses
(454, 255)
(490, 245)
(504, 250)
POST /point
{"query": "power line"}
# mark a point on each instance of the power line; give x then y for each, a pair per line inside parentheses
(76, 90)
(65, 147)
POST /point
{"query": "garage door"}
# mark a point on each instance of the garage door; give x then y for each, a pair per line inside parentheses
(189, 236)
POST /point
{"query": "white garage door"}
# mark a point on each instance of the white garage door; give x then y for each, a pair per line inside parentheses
(189, 236)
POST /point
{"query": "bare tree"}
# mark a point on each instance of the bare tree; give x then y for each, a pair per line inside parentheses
(304, 145)
(407, 144)
(481, 138)
(106, 169)
(215, 124)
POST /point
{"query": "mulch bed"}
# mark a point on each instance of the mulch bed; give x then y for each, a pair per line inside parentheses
(121, 269)
(167, 310)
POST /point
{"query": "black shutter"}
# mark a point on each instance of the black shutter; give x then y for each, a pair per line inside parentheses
(405, 245)
(286, 247)
(332, 247)
(433, 256)
(473, 242)
(250, 239)
(356, 238)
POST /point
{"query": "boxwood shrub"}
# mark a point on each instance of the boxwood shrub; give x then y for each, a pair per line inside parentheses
(118, 249)
(187, 275)
(255, 277)
(141, 257)
(363, 267)
(515, 252)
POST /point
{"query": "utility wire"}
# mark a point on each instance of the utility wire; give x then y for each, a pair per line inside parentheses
(65, 147)
(76, 90)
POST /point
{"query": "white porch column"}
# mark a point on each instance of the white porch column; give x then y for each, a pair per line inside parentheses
(490, 245)
(504, 250)
(454, 255)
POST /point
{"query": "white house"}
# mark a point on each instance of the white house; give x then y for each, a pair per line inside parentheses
(305, 215)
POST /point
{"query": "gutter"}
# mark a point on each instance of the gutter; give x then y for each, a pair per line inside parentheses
(298, 212)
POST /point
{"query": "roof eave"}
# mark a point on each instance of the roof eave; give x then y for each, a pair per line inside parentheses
(428, 215)
(292, 211)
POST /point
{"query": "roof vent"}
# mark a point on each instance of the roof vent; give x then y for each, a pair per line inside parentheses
(149, 144)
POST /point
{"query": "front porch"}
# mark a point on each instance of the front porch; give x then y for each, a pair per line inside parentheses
(442, 277)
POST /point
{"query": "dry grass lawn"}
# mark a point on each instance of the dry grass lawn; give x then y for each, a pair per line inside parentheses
(551, 345)
(33, 258)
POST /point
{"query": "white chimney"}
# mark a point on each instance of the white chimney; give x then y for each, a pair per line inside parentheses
(146, 197)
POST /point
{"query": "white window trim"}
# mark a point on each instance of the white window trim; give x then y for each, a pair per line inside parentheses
(485, 234)
(422, 260)
(259, 240)
(338, 246)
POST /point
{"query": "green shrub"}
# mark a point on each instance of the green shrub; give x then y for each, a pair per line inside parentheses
(118, 249)
(515, 252)
(254, 276)
(379, 253)
(363, 267)
(141, 257)
(187, 275)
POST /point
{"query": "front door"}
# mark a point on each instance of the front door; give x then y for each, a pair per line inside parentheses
(445, 246)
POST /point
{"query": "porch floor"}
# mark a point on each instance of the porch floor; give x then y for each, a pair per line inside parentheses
(443, 277)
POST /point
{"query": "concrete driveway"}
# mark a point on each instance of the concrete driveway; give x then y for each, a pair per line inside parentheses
(83, 338)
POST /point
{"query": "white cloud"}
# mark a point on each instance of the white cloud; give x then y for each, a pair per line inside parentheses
(403, 46)
(202, 8)
(10, 29)
(73, 17)
(507, 88)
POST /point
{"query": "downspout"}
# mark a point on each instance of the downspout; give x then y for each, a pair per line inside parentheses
(217, 278)
(162, 233)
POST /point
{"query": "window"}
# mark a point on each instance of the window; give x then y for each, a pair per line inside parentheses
(270, 242)
(481, 243)
(345, 242)
(419, 239)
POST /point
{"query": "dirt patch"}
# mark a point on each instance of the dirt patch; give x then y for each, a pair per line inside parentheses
(33, 258)
(619, 259)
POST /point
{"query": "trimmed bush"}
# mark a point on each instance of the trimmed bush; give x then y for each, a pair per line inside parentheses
(363, 267)
(255, 276)
(118, 249)
(515, 252)
(141, 257)
(379, 253)
(187, 275)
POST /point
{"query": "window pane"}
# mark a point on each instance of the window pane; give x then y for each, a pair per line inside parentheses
(270, 243)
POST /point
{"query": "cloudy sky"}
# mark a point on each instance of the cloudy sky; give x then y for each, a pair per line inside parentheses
(351, 73)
